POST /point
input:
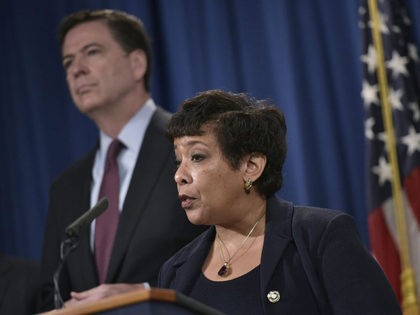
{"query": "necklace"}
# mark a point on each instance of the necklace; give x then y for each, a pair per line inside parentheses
(226, 268)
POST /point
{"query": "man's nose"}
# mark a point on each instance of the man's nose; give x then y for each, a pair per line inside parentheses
(77, 68)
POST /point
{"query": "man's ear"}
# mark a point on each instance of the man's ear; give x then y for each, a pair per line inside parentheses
(254, 165)
(138, 61)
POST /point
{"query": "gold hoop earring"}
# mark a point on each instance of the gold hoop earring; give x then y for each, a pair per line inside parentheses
(248, 185)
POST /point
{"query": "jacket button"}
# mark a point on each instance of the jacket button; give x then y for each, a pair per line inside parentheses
(273, 296)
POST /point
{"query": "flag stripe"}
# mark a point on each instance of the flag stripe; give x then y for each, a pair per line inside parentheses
(412, 184)
(384, 248)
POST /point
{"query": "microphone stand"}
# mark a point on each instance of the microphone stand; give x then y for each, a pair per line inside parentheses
(70, 242)
(66, 247)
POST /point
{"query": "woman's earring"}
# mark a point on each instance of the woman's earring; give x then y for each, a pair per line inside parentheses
(248, 185)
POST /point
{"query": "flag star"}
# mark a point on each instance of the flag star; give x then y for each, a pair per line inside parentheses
(406, 19)
(397, 64)
(416, 110)
(383, 170)
(396, 29)
(412, 52)
(369, 123)
(382, 24)
(370, 59)
(369, 93)
(395, 99)
(381, 136)
(412, 141)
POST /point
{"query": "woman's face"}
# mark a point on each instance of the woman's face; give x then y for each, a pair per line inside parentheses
(208, 187)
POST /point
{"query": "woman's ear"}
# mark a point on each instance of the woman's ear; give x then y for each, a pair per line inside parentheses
(138, 63)
(254, 165)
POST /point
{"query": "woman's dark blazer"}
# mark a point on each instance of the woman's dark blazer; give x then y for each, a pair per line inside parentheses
(313, 258)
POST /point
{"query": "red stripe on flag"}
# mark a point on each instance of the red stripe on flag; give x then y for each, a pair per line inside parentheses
(412, 188)
(384, 249)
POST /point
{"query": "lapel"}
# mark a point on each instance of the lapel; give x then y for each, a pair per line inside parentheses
(81, 261)
(278, 236)
(153, 155)
(188, 266)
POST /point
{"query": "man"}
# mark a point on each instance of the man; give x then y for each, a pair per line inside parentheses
(106, 55)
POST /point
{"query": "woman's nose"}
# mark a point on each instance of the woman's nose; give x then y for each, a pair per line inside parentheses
(180, 175)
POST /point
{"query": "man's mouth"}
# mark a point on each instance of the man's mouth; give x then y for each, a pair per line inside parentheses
(85, 88)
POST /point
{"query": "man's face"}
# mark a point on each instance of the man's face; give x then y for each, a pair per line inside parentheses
(99, 73)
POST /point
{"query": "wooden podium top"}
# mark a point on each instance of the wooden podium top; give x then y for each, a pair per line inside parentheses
(132, 297)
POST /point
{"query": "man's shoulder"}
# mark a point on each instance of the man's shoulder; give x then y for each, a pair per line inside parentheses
(160, 118)
(77, 171)
(164, 113)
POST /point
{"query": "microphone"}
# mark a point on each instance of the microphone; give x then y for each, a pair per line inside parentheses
(71, 241)
(73, 230)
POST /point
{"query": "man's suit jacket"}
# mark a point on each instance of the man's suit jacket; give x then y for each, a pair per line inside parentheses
(152, 224)
(19, 285)
(312, 257)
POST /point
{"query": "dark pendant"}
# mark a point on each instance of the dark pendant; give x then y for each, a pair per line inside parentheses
(224, 270)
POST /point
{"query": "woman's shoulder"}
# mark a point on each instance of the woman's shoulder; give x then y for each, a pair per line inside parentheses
(314, 219)
(314, 226)
(310, 215)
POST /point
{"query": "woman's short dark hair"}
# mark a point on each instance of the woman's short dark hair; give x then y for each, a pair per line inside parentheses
(242, 126)
(126, 29)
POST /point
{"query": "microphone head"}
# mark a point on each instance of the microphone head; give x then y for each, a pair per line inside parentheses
(73, 230)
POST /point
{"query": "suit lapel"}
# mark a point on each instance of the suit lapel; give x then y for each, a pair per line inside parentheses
(277, 238)
(188, 267)
(87, 265)
(82, 261)
(152, 156)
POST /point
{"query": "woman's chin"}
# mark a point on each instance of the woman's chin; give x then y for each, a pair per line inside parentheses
(194, 216)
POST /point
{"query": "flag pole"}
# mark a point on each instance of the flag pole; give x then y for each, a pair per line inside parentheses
(408, 282)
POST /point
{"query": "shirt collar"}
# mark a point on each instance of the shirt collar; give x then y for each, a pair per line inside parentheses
(133, 132)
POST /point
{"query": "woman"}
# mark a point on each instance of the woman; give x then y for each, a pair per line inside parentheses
(261, 255)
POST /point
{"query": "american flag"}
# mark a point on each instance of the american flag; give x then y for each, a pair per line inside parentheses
(401, 64)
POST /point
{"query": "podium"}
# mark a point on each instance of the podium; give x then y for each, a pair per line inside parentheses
(141, 302)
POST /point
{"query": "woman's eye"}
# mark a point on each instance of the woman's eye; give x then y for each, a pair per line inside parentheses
(197, 157)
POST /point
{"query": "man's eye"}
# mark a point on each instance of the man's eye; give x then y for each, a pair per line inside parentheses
(66, 64)
(92, 52)
(177, 163)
